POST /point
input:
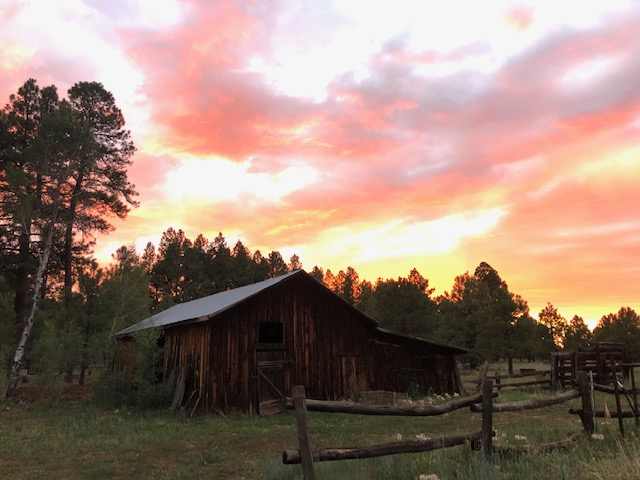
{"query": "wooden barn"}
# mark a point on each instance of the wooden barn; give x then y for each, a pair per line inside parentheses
(244, 348)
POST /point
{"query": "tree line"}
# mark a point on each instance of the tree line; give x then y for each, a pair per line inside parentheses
(64, 175)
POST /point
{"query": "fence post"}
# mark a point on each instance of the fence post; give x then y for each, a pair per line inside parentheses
(554, 371)
(303, 435)
(587, 403)
(487, 418)
(635, 396)
(616, 390)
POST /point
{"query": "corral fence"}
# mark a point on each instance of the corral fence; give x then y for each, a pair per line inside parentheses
(482, 403)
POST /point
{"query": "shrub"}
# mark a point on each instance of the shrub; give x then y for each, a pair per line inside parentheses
(141, 386)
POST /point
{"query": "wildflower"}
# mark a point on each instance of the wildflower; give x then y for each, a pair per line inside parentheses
(597, 436)
(423, 437)
(398, 436)
(519, 437)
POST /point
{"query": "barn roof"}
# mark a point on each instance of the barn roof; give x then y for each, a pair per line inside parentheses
(206, 308)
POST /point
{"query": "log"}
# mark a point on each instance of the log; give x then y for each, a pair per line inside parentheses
(538, 373)
(618, 403)
(635, 395)
(304, 444)
(522, 384)
(530, 404)
(607, 389)
(392, 410)
(601, 413)
(487, 419)
(483, 374)
(290, 457)
(541, 448)
(587, 418)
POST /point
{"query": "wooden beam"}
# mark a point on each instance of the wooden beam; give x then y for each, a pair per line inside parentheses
(530, 404)
(584, 387)
(541, 448)
(618, 403)
(487, 419)
(410, 446)
(600, 413)
(523, 384)
(392, 410)
(304, 445)
(607, 389)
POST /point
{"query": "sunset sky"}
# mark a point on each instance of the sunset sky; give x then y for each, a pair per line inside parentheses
(382, 135)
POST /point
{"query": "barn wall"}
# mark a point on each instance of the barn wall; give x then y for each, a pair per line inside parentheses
(331, 349)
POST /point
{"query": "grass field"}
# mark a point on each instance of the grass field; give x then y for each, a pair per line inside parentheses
(74, 439)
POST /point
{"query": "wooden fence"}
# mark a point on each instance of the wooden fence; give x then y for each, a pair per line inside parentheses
(619, 372)
(482, 403)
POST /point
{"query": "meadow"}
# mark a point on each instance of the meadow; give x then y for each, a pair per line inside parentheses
(62, 433)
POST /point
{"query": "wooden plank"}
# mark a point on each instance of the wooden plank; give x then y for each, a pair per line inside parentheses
(392, 410)
(618, 404)
(487, 419)
(410, 446)
(635, 395)
(611, 390)
(304, 446)
(541, 448)
(601, 413)
(530, 404)
(522, 384)
(584, 389)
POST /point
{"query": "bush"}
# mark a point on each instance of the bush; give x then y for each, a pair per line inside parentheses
(143, 386)
(115, 390)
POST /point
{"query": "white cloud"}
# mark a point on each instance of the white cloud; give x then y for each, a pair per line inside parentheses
(218, 179)
(403, 237)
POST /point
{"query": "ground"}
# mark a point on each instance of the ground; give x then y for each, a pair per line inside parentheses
(65, 435)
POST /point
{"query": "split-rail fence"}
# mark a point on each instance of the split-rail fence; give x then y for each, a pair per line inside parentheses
(482, 402)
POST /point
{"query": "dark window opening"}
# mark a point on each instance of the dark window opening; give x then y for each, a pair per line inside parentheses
(271, 333)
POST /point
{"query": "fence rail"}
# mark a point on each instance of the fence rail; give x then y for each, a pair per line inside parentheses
(481, 403)
(530, 404)
(417, 410)
(290, 457)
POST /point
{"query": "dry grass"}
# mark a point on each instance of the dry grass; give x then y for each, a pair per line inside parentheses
(64, 435)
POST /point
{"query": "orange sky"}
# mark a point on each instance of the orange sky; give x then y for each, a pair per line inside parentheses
(383, 135)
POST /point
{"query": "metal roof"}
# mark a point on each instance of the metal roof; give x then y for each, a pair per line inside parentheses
(205, 307)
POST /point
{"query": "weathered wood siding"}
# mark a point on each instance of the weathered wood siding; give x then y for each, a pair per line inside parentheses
(329, 347)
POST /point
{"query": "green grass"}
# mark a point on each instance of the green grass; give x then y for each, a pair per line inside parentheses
(76, 440)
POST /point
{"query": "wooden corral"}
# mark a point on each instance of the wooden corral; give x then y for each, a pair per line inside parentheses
(601, 359)
(295, 332)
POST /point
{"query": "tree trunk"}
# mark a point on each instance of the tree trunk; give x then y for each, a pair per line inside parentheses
(510, 362)
(18, 358)
(84, 356)
(67, 256)
(20, 302)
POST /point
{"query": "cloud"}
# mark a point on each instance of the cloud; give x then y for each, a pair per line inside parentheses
(384, 135)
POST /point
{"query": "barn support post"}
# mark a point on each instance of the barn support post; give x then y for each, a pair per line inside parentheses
(487, 418)
(303, 434)
(587, 403)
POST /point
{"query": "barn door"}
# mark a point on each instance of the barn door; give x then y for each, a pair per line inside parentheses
(272, 375)
(272, 386)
